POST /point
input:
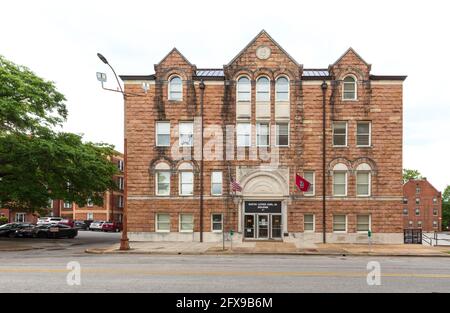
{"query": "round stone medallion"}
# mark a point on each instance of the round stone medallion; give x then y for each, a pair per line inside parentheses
(263, 52)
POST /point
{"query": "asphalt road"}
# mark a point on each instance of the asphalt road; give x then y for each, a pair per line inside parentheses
(44, 270)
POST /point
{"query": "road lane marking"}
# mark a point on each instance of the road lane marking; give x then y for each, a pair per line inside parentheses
(119, 271)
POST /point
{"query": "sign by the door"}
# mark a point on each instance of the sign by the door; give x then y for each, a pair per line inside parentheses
(263, 207)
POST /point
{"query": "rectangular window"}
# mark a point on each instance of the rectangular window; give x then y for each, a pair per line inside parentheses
(435, 224)
(363, 184)
(282, 130)
(20, 217)
(216, 183)
(417, 190)
(308, 223)
(262, 134)
(417, 212)
(186, 223)
(435, 212)
(339, 223)
(186, 183)
(120, 165)
(339, 183)
(121, 183)
(405, 211)
(67, 205)
(340, 134)
(186, 130)
(243, 134)
(419, 224)
(434, 200)
(120, 203)
(363, 223)
(405, 200)
(163, 134)
(90, 216)
(417, 201)
(162, 222)
(162, 183)
(310, 176)
(363, 132)
(217, 222)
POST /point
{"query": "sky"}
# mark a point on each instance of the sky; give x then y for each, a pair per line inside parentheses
(59, 40)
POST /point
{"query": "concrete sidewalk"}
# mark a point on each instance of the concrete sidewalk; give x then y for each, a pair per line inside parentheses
(282, 248)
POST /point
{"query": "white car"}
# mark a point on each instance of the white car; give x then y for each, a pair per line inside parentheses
(49, 220)
(96, 225)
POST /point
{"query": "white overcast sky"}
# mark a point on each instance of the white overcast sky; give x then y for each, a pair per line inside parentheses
(59, 41)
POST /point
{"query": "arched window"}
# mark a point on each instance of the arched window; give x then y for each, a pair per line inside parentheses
(162, 179)
(340, 180)
(282, 89)
(263, 89)
(363, 180)
(243, 89)
(175, 88)
(349, 88)
(186, 179)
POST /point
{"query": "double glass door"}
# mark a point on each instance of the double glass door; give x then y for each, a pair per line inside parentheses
(262, 226)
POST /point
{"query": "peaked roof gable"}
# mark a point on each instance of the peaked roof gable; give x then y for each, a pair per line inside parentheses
(175, 51)
(351, 50)
(261, 33)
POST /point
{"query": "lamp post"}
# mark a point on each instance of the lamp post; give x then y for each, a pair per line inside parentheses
(202, 92)
(124, 242)
(324, 87)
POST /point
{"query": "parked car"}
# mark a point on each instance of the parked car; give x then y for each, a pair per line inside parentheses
(96, 225)
(9, 230)
(112, 226)
(49, 220)
(26, 232)
(81, 225)
(54, 231)
(67, 221)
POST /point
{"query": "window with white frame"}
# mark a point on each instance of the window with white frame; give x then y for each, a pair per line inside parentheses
(120, 165)
(186, 183)
(410, 223)
(282, 132)
(434, 200)
(308, 223)
(217, 222)
(417, 211)
(243, 135)
(175, 88)
(90, 216)
(121, 183)
(405, 211)
(163, 134)
(262, 134)
(349, 88)
(435, 212)
(216, 183)
(282, 89)
(186, 130)
(340, 223)
(363, 134)
(363, 180)
(162, 183)
(162, 222)
(20, 217)
(419, 224)
(311, 178)
(417, 200)
(186, 222)
(339, 134)
(120, 202)
(67, 205)
(263, 89)
(244, 89)
(363, 223)
(435, 224)
(417, 190)
(340, 180)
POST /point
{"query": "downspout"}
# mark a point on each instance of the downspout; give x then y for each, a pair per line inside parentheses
(202, 91)
(324, 87)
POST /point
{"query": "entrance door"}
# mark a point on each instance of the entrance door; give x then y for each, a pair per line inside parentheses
(263, 226)
(249, 226)
(276, 226)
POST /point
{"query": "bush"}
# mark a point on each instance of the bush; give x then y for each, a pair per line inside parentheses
(3, 220)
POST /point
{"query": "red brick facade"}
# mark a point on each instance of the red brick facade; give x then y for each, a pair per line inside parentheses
(378, 101)
(422, 206)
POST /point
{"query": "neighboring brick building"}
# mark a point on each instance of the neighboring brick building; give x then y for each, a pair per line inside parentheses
(275, 105)
(422, 206)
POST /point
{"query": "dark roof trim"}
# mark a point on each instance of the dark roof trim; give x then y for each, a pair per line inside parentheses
(388, 77)
(137, 77)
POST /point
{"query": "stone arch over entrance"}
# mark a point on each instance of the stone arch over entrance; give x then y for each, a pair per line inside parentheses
(264, 185)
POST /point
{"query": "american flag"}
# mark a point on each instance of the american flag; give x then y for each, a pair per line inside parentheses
(235, 186)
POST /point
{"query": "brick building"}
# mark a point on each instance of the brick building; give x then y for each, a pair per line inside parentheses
(263, 124)
(422, 206)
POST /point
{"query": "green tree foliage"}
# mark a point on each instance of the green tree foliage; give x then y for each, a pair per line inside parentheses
(36, 162)
(411, 174)
(446, 208)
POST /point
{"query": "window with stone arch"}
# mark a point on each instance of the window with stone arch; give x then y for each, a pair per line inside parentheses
(349, 88)
(244, 89)
(175, 88)
(282, 89)
(263, 89)
(363, 180)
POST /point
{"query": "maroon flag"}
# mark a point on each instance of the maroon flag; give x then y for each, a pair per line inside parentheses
(235, 186)
(302, 183)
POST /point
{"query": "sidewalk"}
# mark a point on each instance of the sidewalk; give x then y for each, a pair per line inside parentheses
(282, 248)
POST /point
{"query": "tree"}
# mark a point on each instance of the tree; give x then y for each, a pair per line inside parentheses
(411, 174)
(36, 162)
(446, 208)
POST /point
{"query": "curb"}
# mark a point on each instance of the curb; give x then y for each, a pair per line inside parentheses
(118, 252)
